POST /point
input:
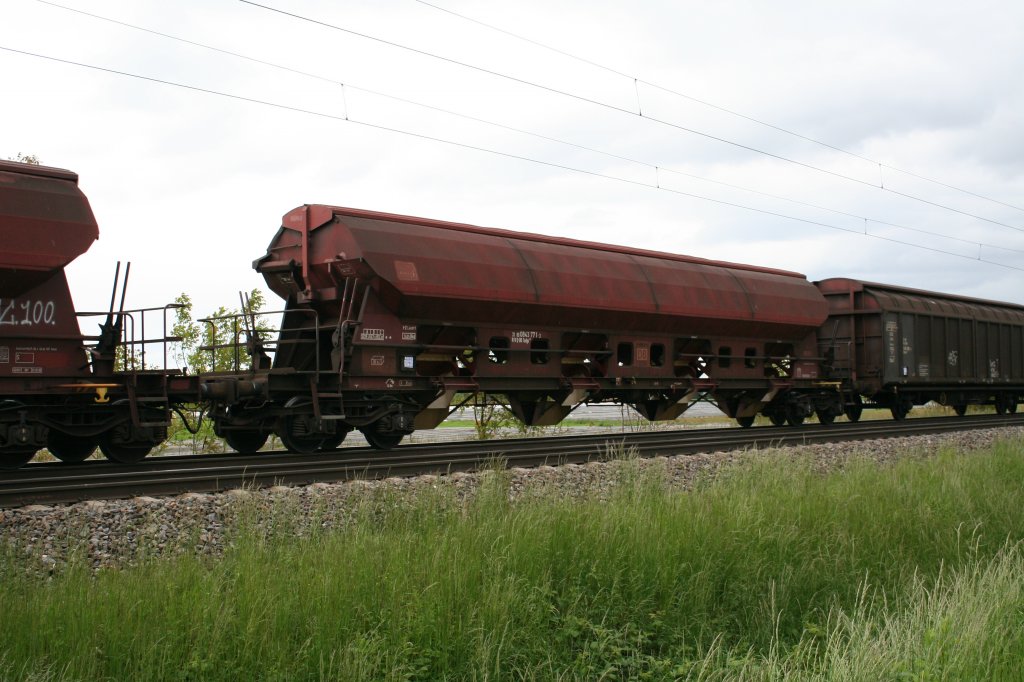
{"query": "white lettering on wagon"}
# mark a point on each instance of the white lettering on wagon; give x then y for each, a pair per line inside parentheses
(372, 335)
(890, 332)
(524, 336)
(27, 312)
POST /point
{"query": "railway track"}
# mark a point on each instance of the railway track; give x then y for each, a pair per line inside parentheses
(53, 482)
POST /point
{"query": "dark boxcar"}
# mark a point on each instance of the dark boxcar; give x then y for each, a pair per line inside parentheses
(902, 347)
(394, 315)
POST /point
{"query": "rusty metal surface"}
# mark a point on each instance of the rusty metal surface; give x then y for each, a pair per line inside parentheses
(45, 223)
(432, 270)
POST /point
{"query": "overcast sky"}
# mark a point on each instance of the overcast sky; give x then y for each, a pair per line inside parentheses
(190, 186)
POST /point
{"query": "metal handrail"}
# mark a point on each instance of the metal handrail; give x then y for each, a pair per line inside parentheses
(271, 345)
(128, 339)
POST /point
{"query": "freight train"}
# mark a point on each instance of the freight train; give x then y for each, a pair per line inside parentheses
(389, 321)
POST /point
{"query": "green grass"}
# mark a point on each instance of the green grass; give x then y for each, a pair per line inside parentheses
(770, 571)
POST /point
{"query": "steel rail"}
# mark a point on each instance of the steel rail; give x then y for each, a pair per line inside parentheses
(55, 482)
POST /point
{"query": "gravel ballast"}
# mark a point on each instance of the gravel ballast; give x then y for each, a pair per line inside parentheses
(114, 533)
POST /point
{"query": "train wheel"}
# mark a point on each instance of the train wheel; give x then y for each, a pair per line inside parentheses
(960, 409)
(777, 419)
(13, 459)
(745, 422)
(298, 434)
(332, 442)
(245, 442)
(382, 440)
(900, 410)
(793, 416)
(825, 418)
(69, 449)
(1011, 406)
(124, 454)
(854, 410)
(302, 445)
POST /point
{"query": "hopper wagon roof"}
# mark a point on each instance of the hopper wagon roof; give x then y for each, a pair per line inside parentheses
(430, 269)
(45, 223)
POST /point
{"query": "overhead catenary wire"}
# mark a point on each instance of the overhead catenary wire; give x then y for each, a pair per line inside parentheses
(612, 107)
(653, 166)
(332, 80)
(660, 169)
(711, 105)
(463, 145)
